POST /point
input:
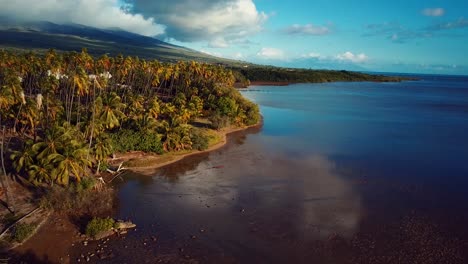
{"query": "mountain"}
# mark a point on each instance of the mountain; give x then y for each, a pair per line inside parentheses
(41, 36)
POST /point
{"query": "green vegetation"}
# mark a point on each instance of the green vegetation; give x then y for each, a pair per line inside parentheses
(200, 141)
(129, 140)
(98, 225)
(22, 231)
(78, 198)
(287, 75)
(69, 112)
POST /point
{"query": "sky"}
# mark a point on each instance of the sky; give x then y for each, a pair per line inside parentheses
(429, 36)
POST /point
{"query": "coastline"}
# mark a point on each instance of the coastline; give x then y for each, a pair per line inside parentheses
(267, 83)
(155, 162)
(61, 230)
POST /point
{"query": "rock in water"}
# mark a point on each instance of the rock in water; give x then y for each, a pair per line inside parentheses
(125, 225)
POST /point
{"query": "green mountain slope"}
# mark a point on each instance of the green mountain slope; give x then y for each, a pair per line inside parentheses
(41, 36)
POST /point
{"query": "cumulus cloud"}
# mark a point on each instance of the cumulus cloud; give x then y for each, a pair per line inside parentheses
(351, 57)
(433, 12)
(308, 29)
(271, 53)
(203, 20)
(95, 13)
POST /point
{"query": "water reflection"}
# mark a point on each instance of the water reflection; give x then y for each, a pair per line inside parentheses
(333, 175)
(245, 194)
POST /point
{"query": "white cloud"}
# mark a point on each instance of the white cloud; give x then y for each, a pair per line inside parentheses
(312, 55)
(215, 21)
(271, 53)
(433, 12)
(308, 29)
(351, 57)
(95, 13)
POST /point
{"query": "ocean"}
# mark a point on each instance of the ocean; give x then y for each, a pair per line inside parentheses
(338, 173)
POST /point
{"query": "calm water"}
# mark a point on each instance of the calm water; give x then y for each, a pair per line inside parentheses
(339, 173)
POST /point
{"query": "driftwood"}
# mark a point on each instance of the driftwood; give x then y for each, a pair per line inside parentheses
(117, 172)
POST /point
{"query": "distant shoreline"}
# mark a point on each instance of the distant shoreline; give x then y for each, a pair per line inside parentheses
(284, 83)
(267, 83)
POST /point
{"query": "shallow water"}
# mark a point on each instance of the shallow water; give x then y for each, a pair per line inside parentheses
(338, 173)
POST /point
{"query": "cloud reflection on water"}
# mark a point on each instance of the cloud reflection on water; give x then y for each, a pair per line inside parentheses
(302, 198)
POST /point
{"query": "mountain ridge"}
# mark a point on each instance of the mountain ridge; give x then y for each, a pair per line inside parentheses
(41, 36)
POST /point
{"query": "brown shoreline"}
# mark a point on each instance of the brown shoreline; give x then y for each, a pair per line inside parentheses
(158, 161)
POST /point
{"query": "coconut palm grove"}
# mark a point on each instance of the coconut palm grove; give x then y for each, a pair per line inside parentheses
(65, 114)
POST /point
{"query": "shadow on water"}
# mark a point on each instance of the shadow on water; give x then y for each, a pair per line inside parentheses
(23, 258)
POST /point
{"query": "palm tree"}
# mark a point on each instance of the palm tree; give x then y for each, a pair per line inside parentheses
(154, 108)
(23, 159)
(109, 109)
(73, 161)
(41, 173)
(55, 140)
(101, 150)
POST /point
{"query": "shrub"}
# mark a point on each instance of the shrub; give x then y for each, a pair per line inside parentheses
(86, 183)
(23, 231)
(199, 140)
(253, 115)
(218, 121)
(129, 140)
(97, 225)
(78, 199)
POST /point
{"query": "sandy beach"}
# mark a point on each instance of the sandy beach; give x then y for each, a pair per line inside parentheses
(154, 162)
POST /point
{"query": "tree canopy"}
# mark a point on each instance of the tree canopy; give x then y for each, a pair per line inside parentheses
(71, 111)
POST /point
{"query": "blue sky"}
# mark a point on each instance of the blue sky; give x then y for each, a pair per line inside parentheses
(394, 36)
(406, 36)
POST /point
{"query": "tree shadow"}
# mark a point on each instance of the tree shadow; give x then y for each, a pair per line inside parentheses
(199, 124)
(80, 221)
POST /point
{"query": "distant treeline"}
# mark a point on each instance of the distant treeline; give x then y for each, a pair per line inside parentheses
(285, 75)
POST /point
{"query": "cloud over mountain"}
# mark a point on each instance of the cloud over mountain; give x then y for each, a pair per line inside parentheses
(95, 13)
(351, 57)
(271, 53)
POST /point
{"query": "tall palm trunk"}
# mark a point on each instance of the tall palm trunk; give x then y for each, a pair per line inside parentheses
(4, 179)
